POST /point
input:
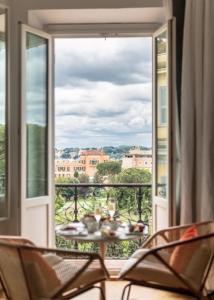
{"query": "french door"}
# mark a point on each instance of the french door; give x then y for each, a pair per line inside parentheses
(36, 136)
(162, 127)
(5, 196)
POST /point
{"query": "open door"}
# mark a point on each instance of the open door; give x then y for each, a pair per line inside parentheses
(5, 205)
(162, 128)
(37, 184)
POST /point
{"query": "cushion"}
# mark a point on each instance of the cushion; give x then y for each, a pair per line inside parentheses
(43, 279)
(67, 269)
(182, 254)
(140, 252)
(52, 259)
(196, 268)
(13, 276)
(150, 270)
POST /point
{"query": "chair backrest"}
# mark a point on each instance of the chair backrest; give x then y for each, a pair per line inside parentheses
(192, 258)
(24, 272)
(41, 278)
(205, 227)
(11, 272)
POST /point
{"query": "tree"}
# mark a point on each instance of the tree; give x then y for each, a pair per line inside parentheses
(83, 191)
(98, 178)
(2, 158)
(76, 174)
(66, 180)
(83, 178)
(128, 197)
(134, 175)
(109, 168)
(65, 191)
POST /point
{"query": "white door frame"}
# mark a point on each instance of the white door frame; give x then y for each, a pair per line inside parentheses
(6, 220)
(167, 204)
(44, 200)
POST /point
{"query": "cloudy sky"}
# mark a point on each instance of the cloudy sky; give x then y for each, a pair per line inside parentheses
(103, 92)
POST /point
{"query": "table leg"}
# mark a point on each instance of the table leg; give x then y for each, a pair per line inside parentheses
(102, 252)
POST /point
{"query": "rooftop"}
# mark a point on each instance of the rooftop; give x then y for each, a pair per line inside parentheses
(138, 151)
(93, 152)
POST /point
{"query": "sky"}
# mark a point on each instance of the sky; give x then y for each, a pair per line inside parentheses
(103, 92)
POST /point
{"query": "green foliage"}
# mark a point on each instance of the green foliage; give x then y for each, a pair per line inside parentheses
(98, 178)
(2, 158)
(127, 200)
(2, 150)
(66, 180)
(36, 160)
(134, 175)
(83, 178)
(76, 174)
(109, 168)
(66, 193)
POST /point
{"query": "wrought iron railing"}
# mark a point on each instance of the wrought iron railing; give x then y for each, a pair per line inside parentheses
(133, 200)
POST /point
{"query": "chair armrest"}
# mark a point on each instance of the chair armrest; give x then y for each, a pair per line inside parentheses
(164, 236)
(171, 234)
(16, 239)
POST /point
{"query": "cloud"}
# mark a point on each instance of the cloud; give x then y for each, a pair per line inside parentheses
(101, 99)
(36, 68)
(103, 94)
(119, 61)
(100, 118)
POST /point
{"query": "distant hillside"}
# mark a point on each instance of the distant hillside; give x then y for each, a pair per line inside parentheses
(114, 152)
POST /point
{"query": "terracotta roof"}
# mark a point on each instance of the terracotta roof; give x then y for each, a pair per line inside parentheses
(93, 152)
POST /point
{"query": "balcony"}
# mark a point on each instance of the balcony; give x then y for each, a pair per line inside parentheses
(133, 204)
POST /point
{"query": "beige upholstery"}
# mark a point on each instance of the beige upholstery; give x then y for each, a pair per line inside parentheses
(52, 259)
(10, 264)
(32, 273)
(151, 265)
(150, 269)
(197, 265)
(90, 276)
(66, 269)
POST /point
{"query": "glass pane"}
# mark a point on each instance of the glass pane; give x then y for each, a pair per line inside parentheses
(36, 115)
(161, 115)
(3, 99)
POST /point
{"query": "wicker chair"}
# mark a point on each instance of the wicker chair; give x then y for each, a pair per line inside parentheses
(170, 262)
(28, 272)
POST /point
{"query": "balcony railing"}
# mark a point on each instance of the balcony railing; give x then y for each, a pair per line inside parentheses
(133, 204)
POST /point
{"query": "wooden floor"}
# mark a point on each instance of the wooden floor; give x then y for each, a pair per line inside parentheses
(114, 290)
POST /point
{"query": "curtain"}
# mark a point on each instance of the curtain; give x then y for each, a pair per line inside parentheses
(197, 113)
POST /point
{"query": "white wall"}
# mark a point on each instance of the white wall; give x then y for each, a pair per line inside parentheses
(19, 13)
(63, 4)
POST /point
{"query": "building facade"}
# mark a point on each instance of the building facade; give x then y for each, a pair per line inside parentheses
(85, 164)
(139, 159)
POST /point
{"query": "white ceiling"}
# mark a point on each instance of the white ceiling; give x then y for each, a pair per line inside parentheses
(90, 16)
